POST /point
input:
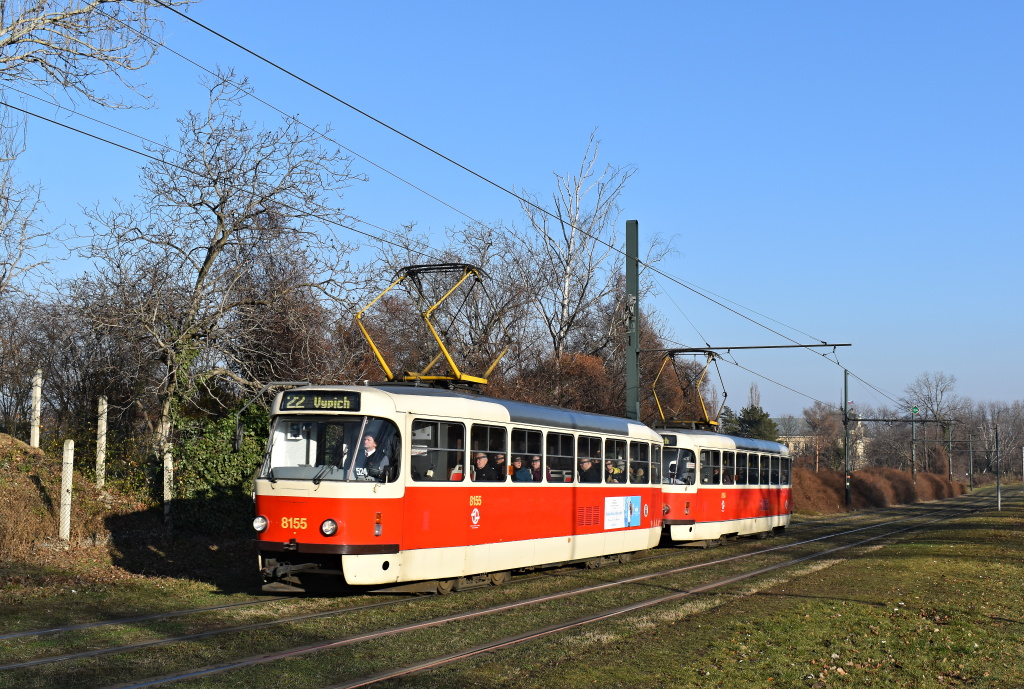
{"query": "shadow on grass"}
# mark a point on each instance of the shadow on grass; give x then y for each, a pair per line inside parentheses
(218, 552)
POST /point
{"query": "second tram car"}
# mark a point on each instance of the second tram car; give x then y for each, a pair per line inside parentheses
(385, 485)
(717, 486)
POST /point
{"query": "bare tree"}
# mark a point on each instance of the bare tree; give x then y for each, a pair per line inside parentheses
(823, 420)
(567, 255)
(20, 234)
(69, 45)
(935, 394)
(178, 266)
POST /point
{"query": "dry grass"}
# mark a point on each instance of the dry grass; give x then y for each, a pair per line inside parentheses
(824, 492)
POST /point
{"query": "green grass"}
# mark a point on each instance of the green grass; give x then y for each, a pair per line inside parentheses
(938, 607)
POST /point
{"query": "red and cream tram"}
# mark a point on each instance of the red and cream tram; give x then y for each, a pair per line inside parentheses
(389, 484)
(717, 486)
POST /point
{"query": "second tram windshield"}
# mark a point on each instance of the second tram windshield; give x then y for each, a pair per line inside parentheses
(337, 448)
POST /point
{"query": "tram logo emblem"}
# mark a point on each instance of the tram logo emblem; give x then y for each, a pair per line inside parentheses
(474, 517)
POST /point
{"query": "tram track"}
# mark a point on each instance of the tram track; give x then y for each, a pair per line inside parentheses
(239, 629)
(674, 593)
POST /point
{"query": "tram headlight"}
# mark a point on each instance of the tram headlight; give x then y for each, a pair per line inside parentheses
(260, 524)
(329, 527)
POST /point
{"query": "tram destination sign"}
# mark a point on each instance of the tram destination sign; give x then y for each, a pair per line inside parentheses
(320, 401)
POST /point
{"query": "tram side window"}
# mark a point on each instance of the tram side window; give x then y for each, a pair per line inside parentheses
(753, 471)
(741, 468)
(525, 446)
(615, 461)
(639, 463)
(785, 470)
(561, 457)
(765, 470)
(775, 471)
(438, 451)
(589, 451)
(728, 468)
(680, 466)
(489, 451)
(710, 467)
(656, 464)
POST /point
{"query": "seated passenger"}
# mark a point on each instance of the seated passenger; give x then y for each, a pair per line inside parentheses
(588, 472)
(612, 473)
(483, 470)
(519, 472)
(536, 469)
(500, 467)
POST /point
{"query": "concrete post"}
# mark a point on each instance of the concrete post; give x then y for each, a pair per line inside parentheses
(101, 443)
(66, 478)
(37, 399)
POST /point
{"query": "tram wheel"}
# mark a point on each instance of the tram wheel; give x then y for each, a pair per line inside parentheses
(445, 586)
(499, 578)
(625, 557)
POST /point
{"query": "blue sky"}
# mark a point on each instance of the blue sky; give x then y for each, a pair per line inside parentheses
(852, 171)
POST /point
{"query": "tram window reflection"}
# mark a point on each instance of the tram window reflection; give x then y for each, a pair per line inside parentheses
(741, 468)
(729, 468)
(680, 466)
(710, 467)
(754, 470)
(438, 451)
(639, 463)
(526, 445)
(614, 468)
(589, 454)
(489, 443)
(561, 457)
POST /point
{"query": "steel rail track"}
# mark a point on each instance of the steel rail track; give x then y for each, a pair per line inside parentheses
(436, 622)
(140, 618)
(604, 615)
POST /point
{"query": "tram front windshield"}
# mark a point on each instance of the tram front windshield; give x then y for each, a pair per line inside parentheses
(337, 448)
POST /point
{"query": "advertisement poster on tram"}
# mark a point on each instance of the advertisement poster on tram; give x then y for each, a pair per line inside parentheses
(621, 512)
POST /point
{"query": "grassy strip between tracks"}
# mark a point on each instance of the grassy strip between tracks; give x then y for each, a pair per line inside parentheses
(941, 607)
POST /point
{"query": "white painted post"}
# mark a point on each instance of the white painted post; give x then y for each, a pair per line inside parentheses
(168, 483)
(66, 478)
(37, 397)
(101, 443)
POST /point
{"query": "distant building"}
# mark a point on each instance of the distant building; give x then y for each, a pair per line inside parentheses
(795, 433)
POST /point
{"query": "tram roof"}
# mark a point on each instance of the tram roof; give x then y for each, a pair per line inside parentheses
(460, 404)
(721, 440)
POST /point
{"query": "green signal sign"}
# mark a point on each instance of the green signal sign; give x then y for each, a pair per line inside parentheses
(914, 410)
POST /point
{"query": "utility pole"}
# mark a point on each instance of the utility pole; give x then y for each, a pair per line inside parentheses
(633, 312)
(970, 451)
(913, 444)
(949, 452)
(846, 430)
(999, 475)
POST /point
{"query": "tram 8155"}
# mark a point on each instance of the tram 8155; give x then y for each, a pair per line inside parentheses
(425, 488)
